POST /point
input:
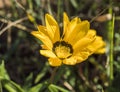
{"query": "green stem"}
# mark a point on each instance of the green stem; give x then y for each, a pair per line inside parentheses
(57, 75)
(111, 48)
(53, 75)
(111, 36)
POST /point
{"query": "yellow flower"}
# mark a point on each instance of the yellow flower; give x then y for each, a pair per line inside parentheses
(76, 43)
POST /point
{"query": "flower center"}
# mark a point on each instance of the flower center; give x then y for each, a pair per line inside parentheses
(62, 49)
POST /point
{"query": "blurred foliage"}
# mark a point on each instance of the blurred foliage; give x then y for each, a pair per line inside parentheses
(25, 70)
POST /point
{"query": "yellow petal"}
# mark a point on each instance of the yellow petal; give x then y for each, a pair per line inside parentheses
(91, 33)
(71, 26)
(81, 44)
(82, 56)
(70, 61)
(100, 51)
(55, 61)
(47, 53)
(56, 35)
(42, 29)
(79, 32)
(65, 22)
(45, 39)
(44, 47)
(30, 17)
(85, 41)
(52, 27)
(97, 46)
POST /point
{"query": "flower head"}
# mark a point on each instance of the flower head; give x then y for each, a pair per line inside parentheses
(75, 45)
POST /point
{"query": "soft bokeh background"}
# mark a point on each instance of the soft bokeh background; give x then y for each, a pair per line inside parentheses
(20, 50)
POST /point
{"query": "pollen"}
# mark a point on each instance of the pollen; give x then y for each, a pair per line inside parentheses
(62, 49)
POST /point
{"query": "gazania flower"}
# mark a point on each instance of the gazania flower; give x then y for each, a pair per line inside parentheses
(75, 44)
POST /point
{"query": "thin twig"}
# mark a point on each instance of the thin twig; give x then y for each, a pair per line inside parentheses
(15, 23)
(49, 7)
(9, 39)
(19, 5)
(67, 85)
(100, 13)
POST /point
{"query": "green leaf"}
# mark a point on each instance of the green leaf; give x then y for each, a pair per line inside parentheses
(6, 82)
(54, 88)
(42, 73)
(11, 86)
(3, 72)
(38, 87)
(74, 3)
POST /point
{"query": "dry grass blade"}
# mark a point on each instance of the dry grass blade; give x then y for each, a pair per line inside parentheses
(10, 24)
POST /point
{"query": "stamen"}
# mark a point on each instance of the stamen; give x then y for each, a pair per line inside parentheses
(62, 49)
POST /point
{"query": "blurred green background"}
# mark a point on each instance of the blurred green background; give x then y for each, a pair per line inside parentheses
(20, 50)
